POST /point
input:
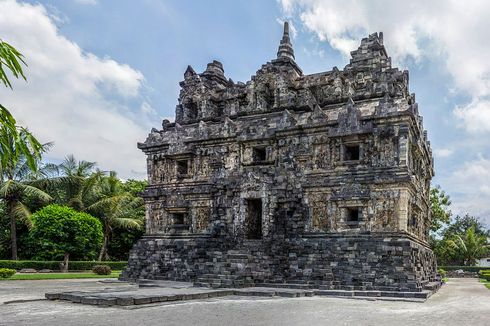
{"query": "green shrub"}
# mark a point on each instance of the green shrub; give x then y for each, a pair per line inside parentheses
(101, 270)
(6, 272)
(474, 269)
(442, 272)
(60, 229)
(55, 265)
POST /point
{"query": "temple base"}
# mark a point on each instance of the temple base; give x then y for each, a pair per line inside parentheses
(334, 261)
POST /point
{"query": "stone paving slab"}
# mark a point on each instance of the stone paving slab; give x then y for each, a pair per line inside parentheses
(169, 291)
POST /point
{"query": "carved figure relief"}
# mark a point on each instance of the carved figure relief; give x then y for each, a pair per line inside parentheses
(202, 215)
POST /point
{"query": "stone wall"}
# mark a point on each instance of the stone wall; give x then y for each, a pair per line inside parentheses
(336, 261)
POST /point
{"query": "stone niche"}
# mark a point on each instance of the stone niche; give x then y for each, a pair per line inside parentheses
(291, 178)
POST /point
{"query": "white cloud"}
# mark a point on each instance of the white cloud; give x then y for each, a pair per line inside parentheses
(74, 98)
(455, 31)
(471, 188)
(475, 115)
(443, 152)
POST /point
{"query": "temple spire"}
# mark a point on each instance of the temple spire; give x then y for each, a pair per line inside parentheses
(285, 47)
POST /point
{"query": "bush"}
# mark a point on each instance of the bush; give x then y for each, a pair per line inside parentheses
(101, 270)
(55, 265)
(474, 269)
(6, 272)
(59, 230)
(442, 272)
(484, 274)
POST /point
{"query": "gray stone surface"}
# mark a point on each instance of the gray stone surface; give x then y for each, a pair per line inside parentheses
(311, 179)
(168, 291)
(460, 302)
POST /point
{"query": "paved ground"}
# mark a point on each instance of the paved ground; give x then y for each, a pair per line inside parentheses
(460, 302)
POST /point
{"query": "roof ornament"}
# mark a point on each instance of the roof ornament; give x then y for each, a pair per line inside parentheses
(285, 47)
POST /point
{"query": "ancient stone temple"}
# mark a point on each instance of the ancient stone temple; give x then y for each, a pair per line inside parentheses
(290, 178)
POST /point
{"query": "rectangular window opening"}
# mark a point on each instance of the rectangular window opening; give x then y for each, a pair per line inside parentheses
(352, 153)
(259, 154)
(353, 215)
(182, 167)
(178, 218)
(253, 219)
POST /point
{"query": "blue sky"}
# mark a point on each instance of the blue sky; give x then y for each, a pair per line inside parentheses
(103, 72)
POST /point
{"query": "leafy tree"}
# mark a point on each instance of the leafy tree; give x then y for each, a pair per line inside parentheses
(77, 184)
(470, 246)
(116, 209)
(61, 232)
(439, 206)
(462, 223)
(134, 187)
(449, 248)
(122, 240)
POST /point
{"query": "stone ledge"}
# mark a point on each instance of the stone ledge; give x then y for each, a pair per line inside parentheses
(144, 296)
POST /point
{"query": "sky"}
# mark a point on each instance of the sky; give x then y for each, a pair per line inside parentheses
(102, 73)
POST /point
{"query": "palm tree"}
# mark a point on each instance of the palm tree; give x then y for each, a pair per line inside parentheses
(471, 246)
(20, 155)
(11, 59)
(71, 182)
(116, 209)
(20, 151)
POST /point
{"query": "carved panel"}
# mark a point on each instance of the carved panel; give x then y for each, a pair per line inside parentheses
(202, 217)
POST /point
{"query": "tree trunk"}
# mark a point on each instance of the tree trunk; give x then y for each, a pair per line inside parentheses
(103, 250)
(64, 264)
(13, 236)
(13, 230)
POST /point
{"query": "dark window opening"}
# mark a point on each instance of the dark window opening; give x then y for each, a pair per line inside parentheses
(412, 222)
(191, 108)
(259, 154)
(182, 168)
(351, 153)
(353, 215)
(178, 218)
(253, 219)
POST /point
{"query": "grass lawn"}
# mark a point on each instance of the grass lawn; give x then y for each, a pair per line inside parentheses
(486, 283)
(59, 276)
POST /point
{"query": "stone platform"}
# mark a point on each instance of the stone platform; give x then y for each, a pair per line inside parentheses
(169, 291)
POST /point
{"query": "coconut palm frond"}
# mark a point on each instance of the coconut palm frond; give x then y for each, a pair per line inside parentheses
(461, 243)
(127, 223)
(35, 192)
(90, 184)
(22, 170)
(8, 187)
(107, 203)
(22, 213)
(85, 167)
(71, 167)
(50, 170)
